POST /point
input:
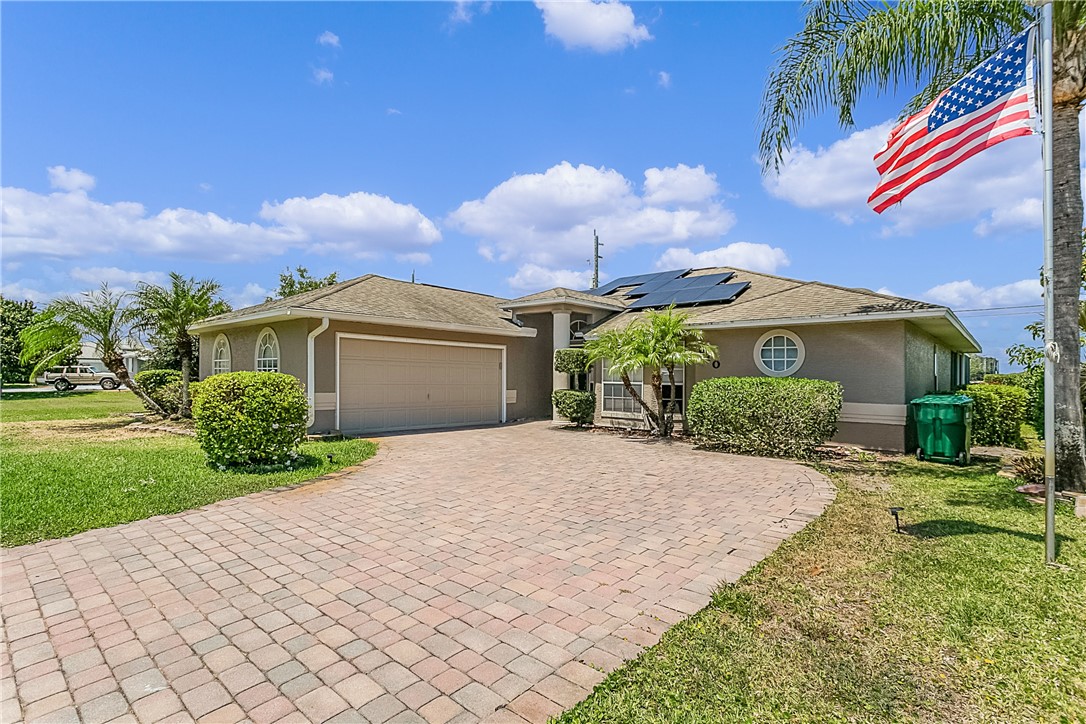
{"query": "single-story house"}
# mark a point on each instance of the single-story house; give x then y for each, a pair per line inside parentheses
(378, 354)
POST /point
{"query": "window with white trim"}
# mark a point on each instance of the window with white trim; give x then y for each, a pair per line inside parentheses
(220, 355)
(779, 353)
(267, 351)
(615, 396)
(674, 388)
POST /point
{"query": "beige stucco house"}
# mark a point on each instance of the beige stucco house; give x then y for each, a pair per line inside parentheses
(377, 354)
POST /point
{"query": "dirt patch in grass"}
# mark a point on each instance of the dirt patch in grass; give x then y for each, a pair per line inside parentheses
(99, 430)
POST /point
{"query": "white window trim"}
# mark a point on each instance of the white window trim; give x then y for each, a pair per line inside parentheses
(638, 384)
(800, 355)
(278, 350)
(229, 354)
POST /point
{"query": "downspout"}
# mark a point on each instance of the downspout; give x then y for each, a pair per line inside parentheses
(311, 374)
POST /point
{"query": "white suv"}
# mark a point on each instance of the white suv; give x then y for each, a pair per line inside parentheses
(66, 378)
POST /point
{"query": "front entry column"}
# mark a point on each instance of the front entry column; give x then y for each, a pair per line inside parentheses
(561, 341)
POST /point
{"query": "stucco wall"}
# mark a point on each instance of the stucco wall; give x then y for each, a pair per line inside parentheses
(292, 354)
(867, 358)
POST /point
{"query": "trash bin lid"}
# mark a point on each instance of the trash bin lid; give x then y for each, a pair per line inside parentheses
(943, 400)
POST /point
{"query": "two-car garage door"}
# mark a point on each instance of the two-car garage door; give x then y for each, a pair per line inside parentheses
(395, 385)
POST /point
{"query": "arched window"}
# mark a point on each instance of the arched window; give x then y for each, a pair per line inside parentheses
(220, 355)
(267, 351)
(779, 353)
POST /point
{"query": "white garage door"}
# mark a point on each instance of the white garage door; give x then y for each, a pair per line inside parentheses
(392, 385)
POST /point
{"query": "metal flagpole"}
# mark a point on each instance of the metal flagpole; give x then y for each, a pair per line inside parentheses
(1051, 350)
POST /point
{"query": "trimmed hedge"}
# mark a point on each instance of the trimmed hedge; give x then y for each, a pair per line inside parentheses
(577, 406)
(1033, 382)
(250, 418)
(572, 361)
(168, 396)
(998, 414)
(162, 386)
(773, 416)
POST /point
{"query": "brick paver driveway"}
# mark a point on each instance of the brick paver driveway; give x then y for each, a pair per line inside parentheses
(477, 574)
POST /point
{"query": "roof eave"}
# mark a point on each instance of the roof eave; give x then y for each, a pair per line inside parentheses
(964, 342)
(299, 313)
(562, 301)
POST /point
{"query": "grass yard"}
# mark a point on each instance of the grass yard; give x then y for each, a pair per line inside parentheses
(957, 621)
(74, 405)
(68, 466)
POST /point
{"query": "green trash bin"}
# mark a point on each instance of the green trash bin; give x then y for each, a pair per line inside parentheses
(944, 427)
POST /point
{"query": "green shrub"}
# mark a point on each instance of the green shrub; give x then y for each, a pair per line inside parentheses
(250, 418)
(168, 396)
(998, 413)
(572, 361)
(1033, 382)
(154, 381)
(780, 416)
(577, 406)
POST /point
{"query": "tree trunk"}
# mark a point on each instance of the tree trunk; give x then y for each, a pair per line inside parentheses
(654, 422)
(185, 350)
(1066, 284)
(656, 382)
(115, 364)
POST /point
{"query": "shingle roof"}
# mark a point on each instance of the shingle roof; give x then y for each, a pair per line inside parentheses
(564, 293)
(773, 297)
(377, 296)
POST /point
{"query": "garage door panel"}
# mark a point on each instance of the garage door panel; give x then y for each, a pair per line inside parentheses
(397, 385)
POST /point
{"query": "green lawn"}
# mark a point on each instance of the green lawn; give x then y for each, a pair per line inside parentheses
(76, 468)
(75, 405)
(957, 621)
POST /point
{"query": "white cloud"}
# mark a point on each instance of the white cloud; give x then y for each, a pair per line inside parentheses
(680, 184)
(600, 26)
(1026, 214)
(323, 76)
(534, 277)
(70, 179)
(415, 257)
(393, 112)
(356, 223)
(663, 79)
(329, 39)
(115, 277)
(74, 225)
(252, 293)
(547, 219)
(205, 187)
(465, 10)
(741, 254)
(967, 295)
(1000, 188)
(22, 289)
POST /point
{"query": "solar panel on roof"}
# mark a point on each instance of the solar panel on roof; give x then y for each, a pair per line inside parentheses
(637, 280)
(722, 292)
(710, 280)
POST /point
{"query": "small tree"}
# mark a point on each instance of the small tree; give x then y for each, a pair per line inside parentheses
(296, 281)
(169, 311)
(103, 316)
(14, 318)
(657, 343)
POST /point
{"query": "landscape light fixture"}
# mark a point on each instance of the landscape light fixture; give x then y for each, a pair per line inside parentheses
(329, 457)
(897, 521)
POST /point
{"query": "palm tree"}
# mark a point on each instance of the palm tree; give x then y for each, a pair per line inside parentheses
(656, 343)
(846, 48)
(102, 316)
(171, 310)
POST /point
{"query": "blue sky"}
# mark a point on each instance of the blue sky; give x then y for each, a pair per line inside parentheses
(477, 144)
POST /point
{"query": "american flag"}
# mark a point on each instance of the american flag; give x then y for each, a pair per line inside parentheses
(992, 103)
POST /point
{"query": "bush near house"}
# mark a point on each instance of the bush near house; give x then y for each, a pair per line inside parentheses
(577, 406)
(250, 418)
(572, 361)
(777, 416)
(1033, 382)
(163, 387)
(998, 414)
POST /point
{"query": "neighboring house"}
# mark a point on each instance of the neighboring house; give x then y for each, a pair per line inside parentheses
(979, 366)
(132, 350)
(377, 354)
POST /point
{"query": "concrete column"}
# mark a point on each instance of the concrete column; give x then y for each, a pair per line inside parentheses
(561, 341)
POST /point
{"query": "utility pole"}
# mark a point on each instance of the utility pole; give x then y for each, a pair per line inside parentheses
(596, 259)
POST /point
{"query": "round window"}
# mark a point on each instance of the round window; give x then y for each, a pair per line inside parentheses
(779, 353)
